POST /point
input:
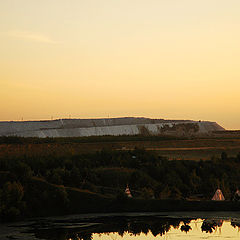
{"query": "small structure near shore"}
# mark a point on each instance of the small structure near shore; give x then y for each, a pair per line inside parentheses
(218, 196)
(236, 196)
(127, 192)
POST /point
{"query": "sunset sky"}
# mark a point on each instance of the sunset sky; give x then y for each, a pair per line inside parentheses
(173, 59)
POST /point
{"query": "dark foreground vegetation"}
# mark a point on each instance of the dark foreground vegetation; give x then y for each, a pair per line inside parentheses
(90, 139)
(55, 184)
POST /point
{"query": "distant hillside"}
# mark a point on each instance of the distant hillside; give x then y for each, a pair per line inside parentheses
(108, 126)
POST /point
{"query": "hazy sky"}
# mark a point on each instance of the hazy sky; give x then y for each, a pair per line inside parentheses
(175, 59)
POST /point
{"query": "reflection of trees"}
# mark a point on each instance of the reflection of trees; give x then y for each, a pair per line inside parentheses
(209, 225)
(63, 235)
(137, 227)
(158, 226)
(84, 236)
(185, 228)
(162, 226)
(235, 223)
(133, 225)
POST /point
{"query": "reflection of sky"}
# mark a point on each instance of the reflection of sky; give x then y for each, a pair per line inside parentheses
(226, 231)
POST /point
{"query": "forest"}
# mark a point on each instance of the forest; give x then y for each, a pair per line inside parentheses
(55, 183)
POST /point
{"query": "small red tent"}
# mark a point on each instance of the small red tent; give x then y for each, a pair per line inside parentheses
(127, 192)
(218, 196)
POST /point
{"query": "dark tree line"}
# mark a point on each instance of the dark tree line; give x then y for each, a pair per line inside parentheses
(107, 173)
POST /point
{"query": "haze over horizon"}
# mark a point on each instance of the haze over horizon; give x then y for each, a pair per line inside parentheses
(98, 59)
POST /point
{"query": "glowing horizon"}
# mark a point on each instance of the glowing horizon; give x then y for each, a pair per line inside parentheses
(98, 59)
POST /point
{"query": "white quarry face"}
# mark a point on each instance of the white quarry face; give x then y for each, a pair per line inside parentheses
(109, 126)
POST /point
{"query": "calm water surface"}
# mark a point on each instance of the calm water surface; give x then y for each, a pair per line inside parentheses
(222, 231)
(128, 226)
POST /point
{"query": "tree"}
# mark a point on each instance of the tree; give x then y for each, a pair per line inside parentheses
(224, 156)
(11, 200)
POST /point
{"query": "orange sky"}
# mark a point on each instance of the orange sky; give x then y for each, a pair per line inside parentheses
(89, 58)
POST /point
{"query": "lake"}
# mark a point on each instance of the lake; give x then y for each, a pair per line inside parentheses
(187, 225)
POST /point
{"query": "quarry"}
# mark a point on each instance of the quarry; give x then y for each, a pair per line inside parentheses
(108, 127)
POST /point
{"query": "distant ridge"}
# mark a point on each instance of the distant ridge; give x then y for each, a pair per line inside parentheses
(107, 126)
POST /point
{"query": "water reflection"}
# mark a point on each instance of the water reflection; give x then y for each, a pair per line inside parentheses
(195, 229)
(154, 227)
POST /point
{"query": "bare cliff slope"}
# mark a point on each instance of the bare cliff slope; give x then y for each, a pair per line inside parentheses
(108, 126)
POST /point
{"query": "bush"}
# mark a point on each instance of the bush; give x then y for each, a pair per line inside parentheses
(11, 201)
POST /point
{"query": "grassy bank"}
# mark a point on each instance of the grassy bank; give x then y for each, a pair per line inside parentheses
(170, 147)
